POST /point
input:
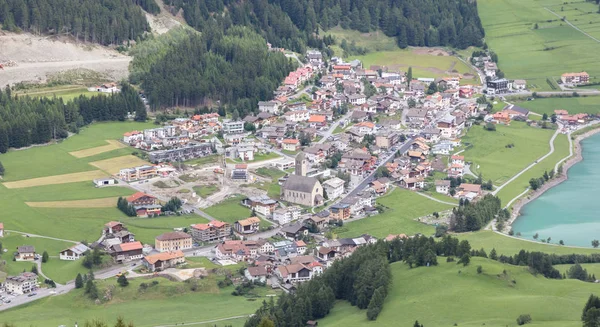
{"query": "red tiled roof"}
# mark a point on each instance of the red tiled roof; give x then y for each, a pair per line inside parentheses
(130, 246)
(164, 256)
(137, 196)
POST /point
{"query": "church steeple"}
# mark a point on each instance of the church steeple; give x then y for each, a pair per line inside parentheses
(301, 164)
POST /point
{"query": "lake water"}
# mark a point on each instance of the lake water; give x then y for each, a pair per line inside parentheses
(571, 210)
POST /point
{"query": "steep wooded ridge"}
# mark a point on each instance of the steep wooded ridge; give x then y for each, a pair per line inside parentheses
(99, 21)
(294, 24)
(233, 67)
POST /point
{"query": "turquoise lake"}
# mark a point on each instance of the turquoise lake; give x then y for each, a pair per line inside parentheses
(571, 210)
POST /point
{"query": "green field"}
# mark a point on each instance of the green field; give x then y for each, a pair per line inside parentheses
(516, 187)
(592, 268)
(163, 304)
(66, 92)
(512, 245)
(453, 295)
(494, 160)
(206, 190)
(547, 52)
(575, 105)
(229, 210)
(374, 41)
(403, 208)
(423, 65)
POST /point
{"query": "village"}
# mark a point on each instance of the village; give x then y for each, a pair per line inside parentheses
(335, 137)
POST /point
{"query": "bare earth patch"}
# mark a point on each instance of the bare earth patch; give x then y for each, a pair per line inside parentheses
(57, 179)
(114, 165)
(93, 203)
(112, 145)
(430, 51)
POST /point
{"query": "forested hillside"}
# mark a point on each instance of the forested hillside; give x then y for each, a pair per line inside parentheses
(25, 121)
(234, 68)
(294, 24)
(101, 21)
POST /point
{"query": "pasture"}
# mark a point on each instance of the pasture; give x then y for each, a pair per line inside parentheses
(229, 210)
(161, 304)
(550, 50)
(402, 208)
(66, 92)
(112, 145)
(57, 179)
(496, 297)
(114, 165)
(495, 159)
(573, 105)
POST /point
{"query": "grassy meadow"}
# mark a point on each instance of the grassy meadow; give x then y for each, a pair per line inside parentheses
(229, 210)
(453, 295)
(494, 160)
(550, 50)
(588, 104)
(403, 207)
(66, 92)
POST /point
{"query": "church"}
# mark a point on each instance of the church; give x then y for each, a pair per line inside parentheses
(299, 188)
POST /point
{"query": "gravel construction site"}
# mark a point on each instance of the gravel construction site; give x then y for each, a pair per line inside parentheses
(32, 58)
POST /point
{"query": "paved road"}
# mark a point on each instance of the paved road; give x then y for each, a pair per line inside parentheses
(203, 322)
(41, 236)
(436, 200)
(575, 27)
(62, 289)
(333, 127)
(531, 165)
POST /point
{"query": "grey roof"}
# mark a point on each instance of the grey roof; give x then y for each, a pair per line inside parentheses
(442, 183)
(416, 113)
(431, 130)
(300, 183)
(293, 229)
(79, 249)
(518, 109)
(26, 249)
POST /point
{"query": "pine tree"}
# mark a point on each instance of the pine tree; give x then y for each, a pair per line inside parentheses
(91, 289)
(122, 280)
(493, 254)
(1, 169)
(120, 322)
(266, 322)
(34, 269)
(78, 281)
(376, 303)
(45, 257)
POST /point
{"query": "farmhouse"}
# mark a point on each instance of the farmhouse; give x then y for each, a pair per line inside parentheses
(575, 78)
(73, 253)
(173, 241)
(162, 261)
(26, 282)
(25, 253)
(210, 232)
(141, 198)
(442, 186)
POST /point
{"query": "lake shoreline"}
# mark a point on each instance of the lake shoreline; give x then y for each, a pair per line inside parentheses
(578, 157)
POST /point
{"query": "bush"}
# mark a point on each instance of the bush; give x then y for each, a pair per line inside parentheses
(450, 259)
(523, 319)
(479, 269)
(490, 127)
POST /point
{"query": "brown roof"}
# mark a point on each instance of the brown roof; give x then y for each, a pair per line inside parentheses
(172, 236)
(128, 246)
(257, 271)
(470, 187)
(249, 221)
(137, 196)
(164, 256)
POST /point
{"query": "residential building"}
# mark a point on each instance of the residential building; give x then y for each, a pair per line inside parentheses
(519, 84)
(334, 187)
(357, 99)
(190, 151)
(294, 231)
(575, 78)
(339, 211)
(498, 86)
(297, 116)
(287, 214)
(442, 186)
(292, 145)
(501, 117)
(262, 204)
(468, 191)
(126, 251)
(211, 231)
(164, 260)
(138, 173)
(24, 283)
(141, 198)
(247, 226)
(233, 127)
(295, 273)
(25, 253)
(386, 139)
(300, 247)
(302, 190)
(416, 117)
(73, 253)
(173, 241)
(256, 274)
(516, 111)
(268, 106)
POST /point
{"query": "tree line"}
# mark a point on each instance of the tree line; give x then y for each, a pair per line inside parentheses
(100, 21)
(294, 24)
(230, 68)
(25, 121)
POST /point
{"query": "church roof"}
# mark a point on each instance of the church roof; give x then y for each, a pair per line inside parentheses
(300, 183)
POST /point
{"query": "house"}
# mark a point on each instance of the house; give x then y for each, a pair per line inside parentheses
(575, 78)
(339, 211)
(302, 190)
(163, 260)
(268, 106)
(247, 226)
(126, 251)
(294, 231)
(263, 205)
(519, 84)
(24, 283)
(498, 86)
(141, 198)
(442, 186)
(416, 116)
(233, 127)
(334, 187)
(317, 121)
(25, 253)
(379, 187)
(138, 173)
(292, 145)
(256, 274)
(297, 116)
(300, 247)
(73, 253)
(468, 191)
(326, 253)
(501, 117)
(133, 137)
(516, 111)
(152, 210)
(173, 241)
(295, 273)
(287, 214)
(456, 159)
(465, 92)
(210, 232)
(357, 99)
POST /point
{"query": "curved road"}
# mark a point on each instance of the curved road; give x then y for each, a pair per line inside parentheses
(40, 236)
(436, 200)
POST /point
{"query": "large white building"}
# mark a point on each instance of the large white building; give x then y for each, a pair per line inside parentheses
(334, 187)
(73, 253)
(24, 283)
(286, 215)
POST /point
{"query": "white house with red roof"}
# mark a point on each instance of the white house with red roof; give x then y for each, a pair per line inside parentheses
(1, 229)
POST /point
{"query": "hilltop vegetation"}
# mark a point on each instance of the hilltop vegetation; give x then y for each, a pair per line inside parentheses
(100, 21)
(294, 24)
